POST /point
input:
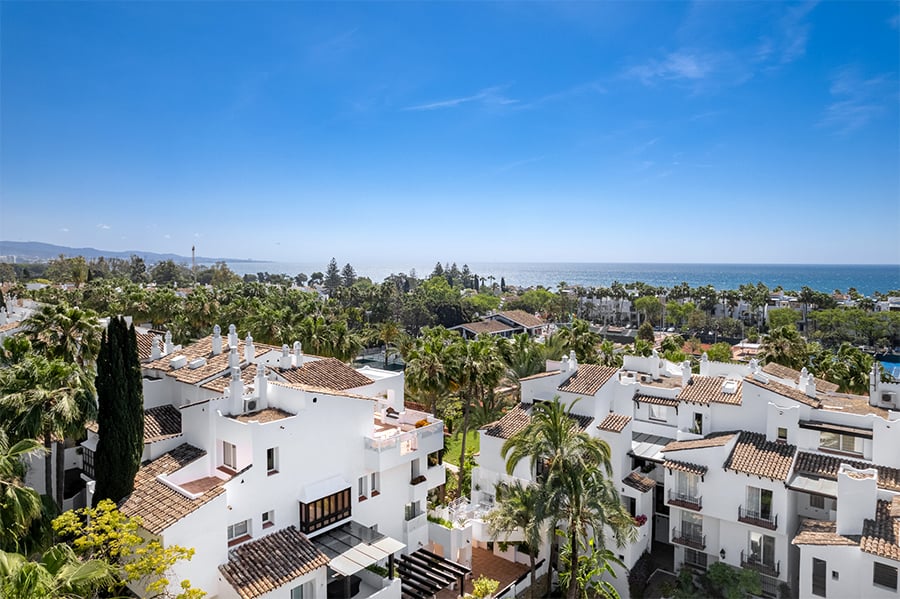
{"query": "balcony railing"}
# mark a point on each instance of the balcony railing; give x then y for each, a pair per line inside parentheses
(685, 500)
(691, 538)
(753, 561)
(757, 519)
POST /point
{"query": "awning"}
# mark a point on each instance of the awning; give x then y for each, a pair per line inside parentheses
(423, 574)
(352, 547)
(90, 443)
(323, 488)
(648, 447)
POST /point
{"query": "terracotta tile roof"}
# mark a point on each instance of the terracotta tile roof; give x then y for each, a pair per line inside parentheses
(219, 384)
(880, 536)
(827, 466)
(518, 417)
(783, 372)
(588, 379)
(485, 326)
(522, 318)
(713, 440)
(614, 423)
(785, 391)
(9, 326)
(162, 422)
(638, 481)
(263, 565)
(652, 399)
(820, 532)
(158, 505)
(851, 404)
(511, 423)
(752, 454)
(697, 469)
(539, 375)
(327, 373)
(215, 364)
(709, 389)
(145, 344)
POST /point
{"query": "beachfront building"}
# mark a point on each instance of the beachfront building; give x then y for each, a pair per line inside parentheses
(758, 467)
(505, 324)
(289, 474)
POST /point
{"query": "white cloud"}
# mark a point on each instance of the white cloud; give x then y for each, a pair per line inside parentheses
(64, 230)
(674, 66)
(857, 100)
(167, 236)
(490, 96)
(102, 226)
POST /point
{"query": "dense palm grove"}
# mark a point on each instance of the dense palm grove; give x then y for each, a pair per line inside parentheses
(48, 380)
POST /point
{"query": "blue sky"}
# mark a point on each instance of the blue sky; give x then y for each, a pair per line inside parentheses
(378, 132)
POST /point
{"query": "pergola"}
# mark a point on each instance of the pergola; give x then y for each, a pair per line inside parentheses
(423, 574)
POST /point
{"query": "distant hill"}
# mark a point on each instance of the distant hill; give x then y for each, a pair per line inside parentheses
(36, 251)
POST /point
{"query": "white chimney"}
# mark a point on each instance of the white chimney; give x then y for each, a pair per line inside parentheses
(704, 364)
(170, 347)
(857, 498)
(249, 352)
(654, 366)
(685, 373)
(573, 362)
(804, 378)
(285, 362)
(217, 340)
(3, 318)
(810, 388)
(262, 385)
(234, 360)
(232, 335)
(754, 365)
(564, 363)
(155, 351)
(236, 391)
(298, 354)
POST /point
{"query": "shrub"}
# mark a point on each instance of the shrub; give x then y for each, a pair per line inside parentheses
(639, 575)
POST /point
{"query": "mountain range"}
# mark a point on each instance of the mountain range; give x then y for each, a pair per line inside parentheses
(36, 251)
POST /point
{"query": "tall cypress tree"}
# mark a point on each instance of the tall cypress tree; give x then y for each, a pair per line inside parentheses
(120, 412)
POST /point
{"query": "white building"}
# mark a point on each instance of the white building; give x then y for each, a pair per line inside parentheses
(739, 464)
(288, 473)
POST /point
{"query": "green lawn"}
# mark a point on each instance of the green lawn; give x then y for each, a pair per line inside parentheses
(453, 444)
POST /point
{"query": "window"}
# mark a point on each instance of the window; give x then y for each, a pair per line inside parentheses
(272, 460)
(884, 576)
(435, 458)
(87, 462)
(241, 529)
(694, 558)
(376, 483)
(687, 485)
(782, 434)
(759, 503)
(762, 550)
(325, 511)
(304, 591)
(229, 455)
(817, 502)
(658, 412)
(412, 510)
(697, 429)
(363, 487)
(838, 442)
(268, 519)
(818, 577)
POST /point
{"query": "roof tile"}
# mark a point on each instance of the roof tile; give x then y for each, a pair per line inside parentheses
(638, 481)
(752, 454)
(614, 423)
(713, 440)
(827, 466)
(697, 469)
(263, 565)
(709, 389)
(325, 373)
(588, 379)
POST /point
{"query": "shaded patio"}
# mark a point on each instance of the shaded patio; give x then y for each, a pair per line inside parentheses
(486, 563)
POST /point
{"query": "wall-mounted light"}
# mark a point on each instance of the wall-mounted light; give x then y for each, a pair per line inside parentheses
(722, 553)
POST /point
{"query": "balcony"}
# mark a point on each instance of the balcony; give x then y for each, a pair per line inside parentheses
(685, 500)
(689, 538)
(767, 567)
(390, 446)
(418, 521)
(757, 519)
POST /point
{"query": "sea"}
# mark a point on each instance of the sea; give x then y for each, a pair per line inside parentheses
(867, 279)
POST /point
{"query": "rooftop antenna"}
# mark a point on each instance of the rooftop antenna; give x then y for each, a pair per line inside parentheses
(194, 262)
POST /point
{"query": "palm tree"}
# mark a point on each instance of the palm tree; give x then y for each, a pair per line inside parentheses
(522, 355)
(19, 505)
(50, 399)
(582, 341)
(58, 573)
(315, 334)
(429, 362)
(572, 468)
(477, 372)
(388, 333)
(784, 346)
(65, 332)
(519, 508)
